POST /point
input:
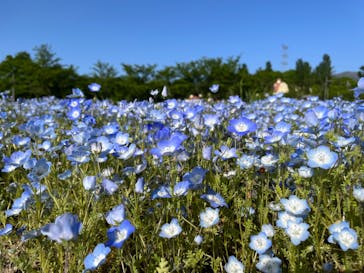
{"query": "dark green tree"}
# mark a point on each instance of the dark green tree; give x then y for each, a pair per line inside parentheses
(103, 70)
(323, 75)
(303, 76)
(361, 72)
(45, 57)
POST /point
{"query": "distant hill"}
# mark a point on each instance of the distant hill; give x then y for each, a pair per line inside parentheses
(347, 74)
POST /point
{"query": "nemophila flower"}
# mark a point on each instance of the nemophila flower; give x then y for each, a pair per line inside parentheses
(161, 192)
(343, 141)
(305, 172)
(195, 176)
(20, 141)
(268, 264)
(260, 243)
(198, 239)
(89, 182)
(241, 126)
(359, 89)
(211, 120)
(209, 217)
(20, 203)
(336, 227)
(154, 92)
(274, 137)
(346, 238)
(65, 228)
(284, 217)
(109, 186)
(116, 215)
(125, 152)
(296, 206)
(214, 88)
(139, 185)
(181, 188)
(79, 155)
(164, 92)
(41, 169)
(206, 152)
(96, 258)
(298, 232)
(215, 199)
(74, 113)
(328, 267)
(268, 161)
(234, 265)
(321, 157)
(283, 127)
(66, 174)
(76, 93)
(6, 230)
(246, 161)
(16, 159)
(169, 146)
(170, 230)
(268, 229)
(358, 193)
(121, 138)
(94, 87)
(117, 235)
(226, 153)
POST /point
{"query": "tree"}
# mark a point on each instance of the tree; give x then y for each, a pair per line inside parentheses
(140, 73)
(103, 70)
(361, 72)
(303, 76)
(323, 73)
(45, 57)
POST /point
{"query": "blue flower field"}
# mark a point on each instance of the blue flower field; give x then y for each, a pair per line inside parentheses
(275, 185)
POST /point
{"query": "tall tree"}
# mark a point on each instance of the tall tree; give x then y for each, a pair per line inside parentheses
(303, 76)
(361, 72)
(45, 57)
(323, 73)
(103, 70)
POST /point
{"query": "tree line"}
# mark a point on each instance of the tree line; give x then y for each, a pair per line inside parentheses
(44, 75)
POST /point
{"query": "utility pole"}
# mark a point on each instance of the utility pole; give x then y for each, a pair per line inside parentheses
(13, 84)
(284, 61)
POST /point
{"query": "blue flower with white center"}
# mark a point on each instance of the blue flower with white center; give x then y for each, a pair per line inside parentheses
(76, 93)
(16, 160)
(268, 230)
(336, 227)
(268, 161)
(6, 230)
(358, 193)
(196, 177)
(343, 141)
(21, 203)
(246, 161)
(66, 227)
(321, 157)
(211, 120)
(283, 127)
(109, 186)
(274, 137)
(209, 217)
(96, 258)
(298, 232)
(226, 153)
(284, 217)
(214, 198)
(214, 88)
(117, 235)
(41, 169)
(89, 182)
(74, 113)
(305, 172)
(260, 243)
(268, 264)
(161, 192)
(116, 215)
(170, 230)
(234, 265)
(181, 188)
(94, 87)
(296, 206)
(241, 126)
(346, 238)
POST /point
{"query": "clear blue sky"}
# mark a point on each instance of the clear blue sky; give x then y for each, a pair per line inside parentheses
(165, 32)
